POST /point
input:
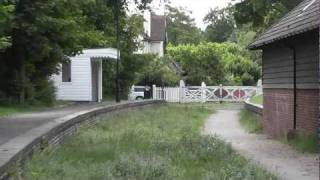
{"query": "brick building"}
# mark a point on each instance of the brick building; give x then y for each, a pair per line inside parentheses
(291, 71)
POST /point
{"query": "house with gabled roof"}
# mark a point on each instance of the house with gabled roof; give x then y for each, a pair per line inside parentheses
(291, 71)
(155, 34)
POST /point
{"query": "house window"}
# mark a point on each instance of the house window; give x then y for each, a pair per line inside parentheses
(66, 72)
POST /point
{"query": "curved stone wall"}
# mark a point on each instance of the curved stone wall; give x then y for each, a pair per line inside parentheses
(14, 152)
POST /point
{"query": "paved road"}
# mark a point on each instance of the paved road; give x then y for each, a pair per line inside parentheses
(13, 126)
(274, 156)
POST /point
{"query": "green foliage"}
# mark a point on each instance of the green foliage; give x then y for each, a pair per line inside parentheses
(139, 69)
(37, 35)
(158, 71)
(216, 63)
(162, 142)
(251, 121)
(221, 25)
(260, 13)
(181, 28)
(6, 15)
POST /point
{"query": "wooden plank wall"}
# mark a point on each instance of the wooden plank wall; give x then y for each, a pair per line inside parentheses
(278, 62)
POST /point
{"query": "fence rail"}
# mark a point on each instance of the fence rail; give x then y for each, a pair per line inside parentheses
(203, 93)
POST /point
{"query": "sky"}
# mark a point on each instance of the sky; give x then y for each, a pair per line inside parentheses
(199, 7)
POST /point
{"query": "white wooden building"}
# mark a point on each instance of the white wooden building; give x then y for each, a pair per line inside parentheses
(81, 78)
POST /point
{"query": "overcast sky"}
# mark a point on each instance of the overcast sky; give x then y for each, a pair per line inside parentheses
(199, 7)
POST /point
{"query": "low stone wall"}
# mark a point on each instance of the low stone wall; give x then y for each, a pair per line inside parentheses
(17, 150)
(254, 107)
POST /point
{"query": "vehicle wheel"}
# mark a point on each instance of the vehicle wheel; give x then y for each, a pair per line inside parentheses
(139, 98)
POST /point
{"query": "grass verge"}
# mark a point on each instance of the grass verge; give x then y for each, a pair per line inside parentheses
(257, 99)
(162, 142)
(303, 142)
(7, 110)
(251, 122)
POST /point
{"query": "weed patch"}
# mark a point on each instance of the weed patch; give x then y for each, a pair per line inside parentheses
(252, 122)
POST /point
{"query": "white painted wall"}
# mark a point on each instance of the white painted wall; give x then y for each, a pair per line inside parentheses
(154, 48)
(79, 89)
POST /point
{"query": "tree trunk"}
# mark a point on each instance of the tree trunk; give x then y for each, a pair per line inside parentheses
(22, 82)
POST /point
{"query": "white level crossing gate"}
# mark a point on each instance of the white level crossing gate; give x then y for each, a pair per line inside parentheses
(203, 93)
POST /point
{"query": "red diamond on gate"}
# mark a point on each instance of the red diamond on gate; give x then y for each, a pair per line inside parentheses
(239, 93)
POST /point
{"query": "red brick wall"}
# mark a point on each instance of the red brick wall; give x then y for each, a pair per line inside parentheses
(278, 111)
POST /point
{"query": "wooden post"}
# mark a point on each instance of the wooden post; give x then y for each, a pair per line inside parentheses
(220, 93)
(22, 83)
(154, 92)
(181, 91)
(203, 92)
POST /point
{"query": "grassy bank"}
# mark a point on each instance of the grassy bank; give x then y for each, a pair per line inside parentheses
(303, 143)
(251, 121)
(155, 143)
(257, 100)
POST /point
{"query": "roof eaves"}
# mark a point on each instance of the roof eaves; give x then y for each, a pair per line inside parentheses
(258, 45)
(260, 42)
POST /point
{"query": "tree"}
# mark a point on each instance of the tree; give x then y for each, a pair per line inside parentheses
(181, 27)
(37, 35)
(216, 63)
(158, 71)
(260, 13)
(5, 18)
(221, 25)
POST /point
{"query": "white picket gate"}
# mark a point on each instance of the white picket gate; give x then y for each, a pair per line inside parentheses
(203, 93)
(169, 94)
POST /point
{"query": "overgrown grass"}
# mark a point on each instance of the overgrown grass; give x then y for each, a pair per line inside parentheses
(252, 122)
(257, 100)
(303, 143)
(162, 143)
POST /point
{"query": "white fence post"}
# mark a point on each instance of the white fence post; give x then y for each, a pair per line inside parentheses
(154, 92)
(259, 87)
(220, 93)
(181, 91)
(203, 92)
(131, 92)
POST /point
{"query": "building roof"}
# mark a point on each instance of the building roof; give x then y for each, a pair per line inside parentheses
(158, 28)
(303, 18)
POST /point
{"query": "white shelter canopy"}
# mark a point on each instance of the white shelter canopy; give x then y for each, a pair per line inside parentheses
(99, 53)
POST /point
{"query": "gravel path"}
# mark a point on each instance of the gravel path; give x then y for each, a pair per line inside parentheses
(278, 158)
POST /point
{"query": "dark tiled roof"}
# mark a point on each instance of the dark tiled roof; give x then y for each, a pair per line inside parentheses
(158, 28)
(305, 17)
